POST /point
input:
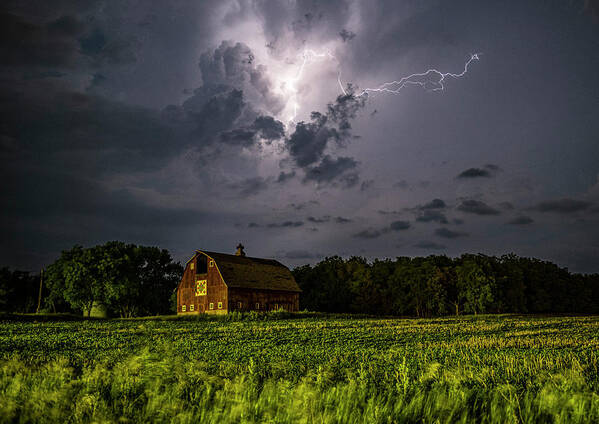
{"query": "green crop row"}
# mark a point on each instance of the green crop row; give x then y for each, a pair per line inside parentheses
(487, 368)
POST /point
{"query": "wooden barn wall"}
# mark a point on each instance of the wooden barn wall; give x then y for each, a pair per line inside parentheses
(216, 290)
(267, 300)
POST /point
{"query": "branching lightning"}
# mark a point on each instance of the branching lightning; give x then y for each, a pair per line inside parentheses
(421, 79)
(430, 80)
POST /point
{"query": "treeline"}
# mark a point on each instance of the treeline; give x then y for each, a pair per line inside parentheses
(120, 279)
(127, 280)
(439, 285)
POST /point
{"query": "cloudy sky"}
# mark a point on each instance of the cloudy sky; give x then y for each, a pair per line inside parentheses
(201, 124)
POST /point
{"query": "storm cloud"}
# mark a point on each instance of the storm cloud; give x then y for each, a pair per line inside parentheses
(477, 207)
(228, 121)
(562, 206)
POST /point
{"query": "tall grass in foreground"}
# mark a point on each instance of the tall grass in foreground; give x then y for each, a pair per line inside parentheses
(316, 369)
(149, 388)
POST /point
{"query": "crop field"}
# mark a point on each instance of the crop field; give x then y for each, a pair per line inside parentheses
(308, 368)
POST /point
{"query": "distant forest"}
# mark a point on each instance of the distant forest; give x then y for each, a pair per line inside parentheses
(439, 285)
(131, 280)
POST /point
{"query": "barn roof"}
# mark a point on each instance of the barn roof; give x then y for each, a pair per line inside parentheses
(253, 273)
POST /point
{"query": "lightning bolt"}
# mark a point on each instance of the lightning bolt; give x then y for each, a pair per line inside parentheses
(431, 80)
(422, 79)
(308, 56)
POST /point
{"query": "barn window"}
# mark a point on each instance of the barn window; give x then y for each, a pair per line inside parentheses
(276, 306)
(211, 263)
(191, 308)
(191, 265)
(182, 308)
(239, 305)
(211, 305)
(201, 265)
(220, 305)
(257, 305)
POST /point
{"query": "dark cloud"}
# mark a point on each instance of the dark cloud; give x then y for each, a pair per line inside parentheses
(315, 220)
(449, 234)
(64, 201)
(334, 170)
(429, 215)
(521, 220)
(253, 225)
(434, 204)
(487, 171)
(285, 224)
(307, 144)
(457, 221)
(399, 225)
(385, 212)
(309, 140)
(238, 136)
(368, 234)
(285, 176)
(429, 245)
(26, 43)
(477, 207)
(342, 220)
(269, 128)
(265, 127)
(474, 173)
(346, 35)
(63, 126)
(562, 206)
(303, 205)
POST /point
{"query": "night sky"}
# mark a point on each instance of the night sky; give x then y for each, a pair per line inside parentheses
(200, 124)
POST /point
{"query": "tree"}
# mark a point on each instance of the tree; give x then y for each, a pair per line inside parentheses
(18, 291)
(83, 283)
(128, 280)
(474, 286)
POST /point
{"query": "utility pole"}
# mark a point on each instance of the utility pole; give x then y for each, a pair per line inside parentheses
(39, 297)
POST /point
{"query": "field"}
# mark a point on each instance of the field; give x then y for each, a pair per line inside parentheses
(310, 368)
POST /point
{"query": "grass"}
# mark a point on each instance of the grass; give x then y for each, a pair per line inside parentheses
(309, 368)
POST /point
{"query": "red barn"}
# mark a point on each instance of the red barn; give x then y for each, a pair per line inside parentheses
(219, 283)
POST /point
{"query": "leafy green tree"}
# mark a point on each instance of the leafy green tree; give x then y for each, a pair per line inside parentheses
(475, 288)
(83, 282)
(128, 280)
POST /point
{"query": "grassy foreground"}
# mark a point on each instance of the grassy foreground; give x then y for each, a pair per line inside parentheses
(310, 369)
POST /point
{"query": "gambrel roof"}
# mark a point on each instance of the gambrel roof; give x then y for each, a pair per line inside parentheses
(253, 273)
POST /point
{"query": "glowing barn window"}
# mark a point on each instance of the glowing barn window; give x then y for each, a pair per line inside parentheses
(182, 308)
(211, 263)
(220, 305)
(239, 305)
(211, 305)
(191, 265)
(191, 308)
(257, 305)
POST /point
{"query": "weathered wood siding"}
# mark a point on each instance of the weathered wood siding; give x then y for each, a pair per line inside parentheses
(216, 290)
(262, 300)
